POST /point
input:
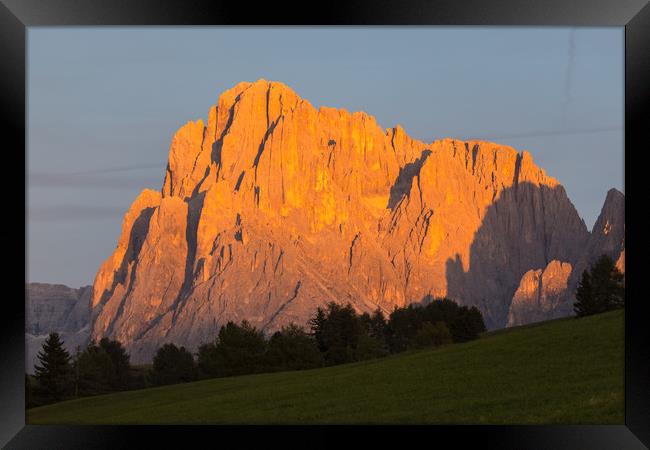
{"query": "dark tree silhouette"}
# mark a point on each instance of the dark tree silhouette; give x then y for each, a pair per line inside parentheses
(239, 349)
(432, 335)
(337, 330)
(601, 289)
(292, 348)
(54, 373)
(317, 324)
(172, 364)
(464, 323)
(121, 363)
(94, 371)
(585, 303)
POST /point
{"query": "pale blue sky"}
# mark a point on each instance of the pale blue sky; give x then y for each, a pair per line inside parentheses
(103, 104)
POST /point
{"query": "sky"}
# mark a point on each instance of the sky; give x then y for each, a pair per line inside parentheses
(104, 103)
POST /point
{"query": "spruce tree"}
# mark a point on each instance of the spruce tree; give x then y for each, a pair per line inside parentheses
(607, 284)
(317, 324)
(54, 373)
(121, 362)
(94, 371)
(601, 289)
(172, 365)
(584, 304)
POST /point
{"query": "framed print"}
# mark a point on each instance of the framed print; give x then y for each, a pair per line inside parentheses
(391, 219)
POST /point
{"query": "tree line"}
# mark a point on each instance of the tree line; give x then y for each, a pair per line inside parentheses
(101, 368)
(337, 334)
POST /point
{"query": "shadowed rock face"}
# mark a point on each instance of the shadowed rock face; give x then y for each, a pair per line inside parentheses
(55, 308)
(526, 227)
(273, 207)
(608, 234)
(549, 292)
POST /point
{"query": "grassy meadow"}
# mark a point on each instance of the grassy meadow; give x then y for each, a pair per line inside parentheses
(568, 371)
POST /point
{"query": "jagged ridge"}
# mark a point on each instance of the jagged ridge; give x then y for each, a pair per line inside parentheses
(274, 207)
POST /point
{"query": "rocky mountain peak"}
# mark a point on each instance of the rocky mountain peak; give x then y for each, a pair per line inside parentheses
(274, 207)
(612, 214)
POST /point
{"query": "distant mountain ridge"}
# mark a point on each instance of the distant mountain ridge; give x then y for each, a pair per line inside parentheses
(55, 308)
(274, 207)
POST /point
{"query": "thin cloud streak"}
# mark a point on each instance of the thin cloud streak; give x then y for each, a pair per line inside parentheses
(75, 213)
(90, 181)
(133, 167)
(97, 179)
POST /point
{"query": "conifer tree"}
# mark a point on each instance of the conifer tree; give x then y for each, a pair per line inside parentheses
(601, 288)
(54, 373)
(121, 362)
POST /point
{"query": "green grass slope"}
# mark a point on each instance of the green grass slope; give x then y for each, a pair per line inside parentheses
(564, 371)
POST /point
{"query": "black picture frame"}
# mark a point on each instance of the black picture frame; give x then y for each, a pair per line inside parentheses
(634, 15)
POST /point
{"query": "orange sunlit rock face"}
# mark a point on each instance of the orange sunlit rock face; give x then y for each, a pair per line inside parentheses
(275, 207)
(541, 295)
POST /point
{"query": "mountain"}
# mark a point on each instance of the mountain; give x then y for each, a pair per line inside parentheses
(608, 234)
(55, 308)
(549, 292)
(274, 207)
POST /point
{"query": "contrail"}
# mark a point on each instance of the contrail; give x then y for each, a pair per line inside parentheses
(129, 168)
(102, 179)
(110, 177)
(73, 213)
(568, 86)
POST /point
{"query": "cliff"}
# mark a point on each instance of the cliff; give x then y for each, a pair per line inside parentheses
(549, 293)
(273, 207)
